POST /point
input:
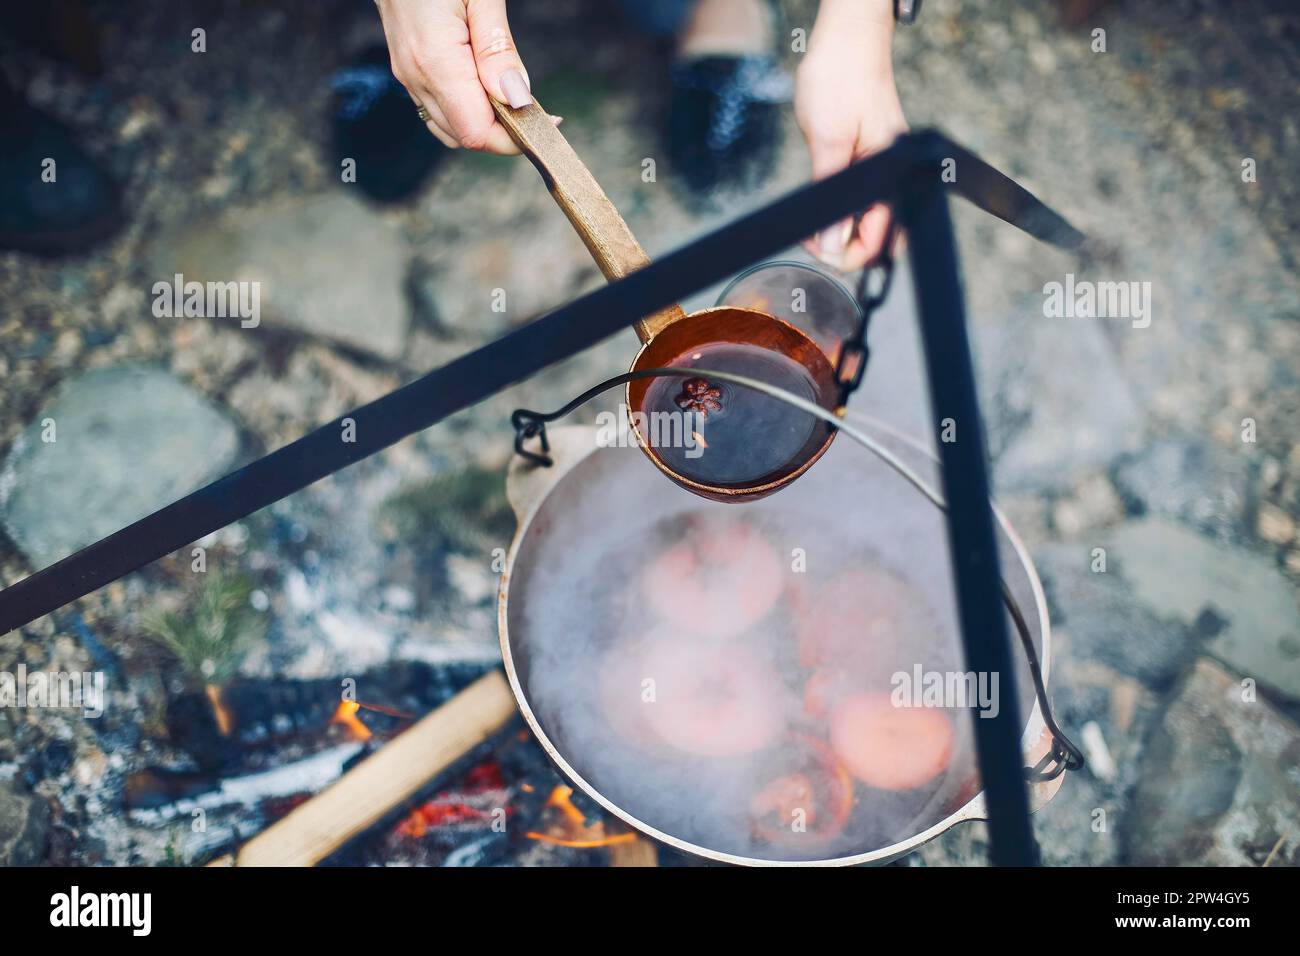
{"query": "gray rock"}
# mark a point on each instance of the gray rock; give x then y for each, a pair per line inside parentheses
(128, 440)
(1057, 403)
(1219, 785)
(24, 823)
(328, 265)
(1081, 823)
(1239, 600)
(966, 844)
(1190, 480)
(474, 291)
(1103, 620)
(1065, 831)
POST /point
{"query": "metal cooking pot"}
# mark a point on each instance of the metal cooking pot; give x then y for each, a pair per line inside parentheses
(588, 522)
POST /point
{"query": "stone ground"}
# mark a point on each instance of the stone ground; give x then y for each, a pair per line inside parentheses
(1178, 666)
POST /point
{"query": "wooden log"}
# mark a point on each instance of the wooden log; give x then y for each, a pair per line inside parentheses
(638, 852)
(391, 776)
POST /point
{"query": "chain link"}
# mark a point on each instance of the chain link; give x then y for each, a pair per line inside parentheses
(872, 290)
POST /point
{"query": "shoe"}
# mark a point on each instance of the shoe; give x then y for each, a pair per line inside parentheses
(375, 124)
(723, 120)
(79, 207)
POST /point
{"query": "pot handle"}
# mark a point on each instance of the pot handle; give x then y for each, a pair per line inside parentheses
(529, 480)
(599, 225)
(1041, 789)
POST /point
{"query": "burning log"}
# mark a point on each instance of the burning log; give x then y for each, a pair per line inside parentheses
(384, 781)
(265, 715)
(635, 852)
(155, 795)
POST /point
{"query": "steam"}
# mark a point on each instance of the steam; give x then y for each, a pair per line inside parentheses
(663, 642)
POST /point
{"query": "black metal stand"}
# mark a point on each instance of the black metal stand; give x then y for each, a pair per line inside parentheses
(971, 538)
(906, 174)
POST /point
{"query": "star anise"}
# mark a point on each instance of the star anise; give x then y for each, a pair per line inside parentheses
(698, 396)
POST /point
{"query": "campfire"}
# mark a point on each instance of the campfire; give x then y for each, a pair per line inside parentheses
(464, 785)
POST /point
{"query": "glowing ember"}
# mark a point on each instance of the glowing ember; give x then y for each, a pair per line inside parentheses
(478, 804)
(433, 814)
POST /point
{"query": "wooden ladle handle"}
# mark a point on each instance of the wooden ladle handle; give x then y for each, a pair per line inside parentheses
(599, 225)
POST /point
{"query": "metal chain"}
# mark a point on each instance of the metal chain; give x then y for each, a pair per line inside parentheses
(872, 290)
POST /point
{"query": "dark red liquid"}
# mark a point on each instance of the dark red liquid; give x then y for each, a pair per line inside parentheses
(751, 437)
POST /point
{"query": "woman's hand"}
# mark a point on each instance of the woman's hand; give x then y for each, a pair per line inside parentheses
(847, 106)
(451, 55)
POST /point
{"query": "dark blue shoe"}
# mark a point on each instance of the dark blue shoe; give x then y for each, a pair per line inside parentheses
(80, 206)
(723, 121)
(375, 124)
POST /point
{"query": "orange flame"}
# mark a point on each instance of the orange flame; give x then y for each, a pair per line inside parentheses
(628, 837)
(346, 716)
(573, 828)
(219, 712)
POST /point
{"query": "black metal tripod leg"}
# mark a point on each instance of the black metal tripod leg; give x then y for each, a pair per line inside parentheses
(976, 572)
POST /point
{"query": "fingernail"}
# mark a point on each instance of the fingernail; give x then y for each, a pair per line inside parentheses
(515, 88)
(832, 239)
(557, 120)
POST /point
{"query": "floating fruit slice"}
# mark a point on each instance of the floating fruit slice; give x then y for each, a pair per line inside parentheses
(711, 700)
(810, 803)
(894, 748)
(720, 580)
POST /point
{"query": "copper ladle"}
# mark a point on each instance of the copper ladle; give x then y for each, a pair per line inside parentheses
(670, 334)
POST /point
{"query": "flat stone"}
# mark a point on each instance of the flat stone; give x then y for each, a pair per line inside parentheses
(1219, 787)
(128, 440)
(1191, 480)
(1274, 525)
(1241, 601)
(1052, 420)
(473, 292)
(1098, 613)
(328, 265)
(24, 823)
(1093, 503)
